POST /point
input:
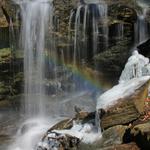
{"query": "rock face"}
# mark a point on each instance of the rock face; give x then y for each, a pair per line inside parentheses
(11, 78)
(140, 133)
(127, 109)
(108, 60)
(113, 136)
(144, 48)
(62, 13)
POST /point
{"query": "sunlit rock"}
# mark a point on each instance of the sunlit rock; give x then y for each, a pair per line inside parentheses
(124, 103)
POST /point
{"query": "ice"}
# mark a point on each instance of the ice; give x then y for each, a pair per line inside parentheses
(119, 91)
(137, 66)
(87, 133)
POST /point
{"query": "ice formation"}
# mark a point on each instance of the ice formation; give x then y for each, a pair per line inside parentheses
(137, 66)
(86, 133)
(119, 91)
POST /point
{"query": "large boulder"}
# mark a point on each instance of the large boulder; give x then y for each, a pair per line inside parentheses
(140, 134)
(113, 136)
(130, 146)
(124, 103)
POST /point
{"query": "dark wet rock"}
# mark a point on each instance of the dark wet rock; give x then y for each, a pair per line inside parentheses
(4, 90)
(58, 141)
(95, 146)
(62, 13)
(64, 124)
(127, 109)
(8, 9)
(141, 135)
(81, 116)
(122, 12)
(112, 61)
(144, 48)
(113, 136)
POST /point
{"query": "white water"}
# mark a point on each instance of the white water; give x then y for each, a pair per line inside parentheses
(141, 27)
(30, 133)
(35, 15)
(35, 21)
(86, 26)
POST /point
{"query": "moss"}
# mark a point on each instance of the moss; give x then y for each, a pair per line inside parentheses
(3, 88)
(5, 55)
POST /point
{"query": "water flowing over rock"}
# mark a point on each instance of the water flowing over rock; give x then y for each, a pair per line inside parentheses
(58, 141)
(36, 16)
(89, 23)
(141, 29)
(58, 69)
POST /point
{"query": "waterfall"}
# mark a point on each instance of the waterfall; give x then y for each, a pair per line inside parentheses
(120, 30)
(35, 20)
(89, 23)
(141, 26)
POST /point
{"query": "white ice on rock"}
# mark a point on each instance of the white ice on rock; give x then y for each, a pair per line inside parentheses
(137, 66)
(87, 133)
(120, 91)
(135, 74)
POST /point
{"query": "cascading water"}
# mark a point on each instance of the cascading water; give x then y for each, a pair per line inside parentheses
(89, 23)
(141, 27)
(35, 21)
(40, 64)
(90, 30)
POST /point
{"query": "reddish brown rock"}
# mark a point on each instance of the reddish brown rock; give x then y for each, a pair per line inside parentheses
(128, 109)
(131, 146)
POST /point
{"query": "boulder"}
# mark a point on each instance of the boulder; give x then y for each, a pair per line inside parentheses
(82, 117)
(113, 136)
(58, 141)
(130, 146)
(125, 108)
(64, 124)
(140, 134)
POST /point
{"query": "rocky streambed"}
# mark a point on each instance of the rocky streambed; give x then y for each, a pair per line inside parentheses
(122, 124)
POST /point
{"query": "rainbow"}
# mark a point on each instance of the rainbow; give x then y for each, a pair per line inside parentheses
(83, 73)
